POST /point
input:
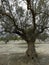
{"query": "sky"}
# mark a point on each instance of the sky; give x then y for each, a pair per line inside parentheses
(0, 2)
(23, 4)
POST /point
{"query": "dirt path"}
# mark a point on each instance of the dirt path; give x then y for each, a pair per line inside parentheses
(10, 52)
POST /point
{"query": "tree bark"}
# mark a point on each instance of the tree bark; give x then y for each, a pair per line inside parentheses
(31, 53)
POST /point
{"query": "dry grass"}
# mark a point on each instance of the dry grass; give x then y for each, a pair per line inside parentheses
(13, 54)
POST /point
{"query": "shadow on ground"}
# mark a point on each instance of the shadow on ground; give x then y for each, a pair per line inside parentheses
(14, 59)
(13, 52)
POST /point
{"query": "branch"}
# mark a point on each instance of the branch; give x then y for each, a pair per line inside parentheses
(28, 4)
(29, 7)
(16, 26)
(42, 30)
(42, 12)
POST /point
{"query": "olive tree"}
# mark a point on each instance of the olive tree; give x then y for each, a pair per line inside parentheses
(29, 23)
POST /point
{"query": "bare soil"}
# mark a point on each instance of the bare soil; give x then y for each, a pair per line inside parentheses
(13, 51)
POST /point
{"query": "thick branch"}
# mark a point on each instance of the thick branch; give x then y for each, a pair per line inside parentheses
(29, 7)
(33, 14)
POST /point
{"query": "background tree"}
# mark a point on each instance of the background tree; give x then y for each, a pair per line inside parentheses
(29, 23)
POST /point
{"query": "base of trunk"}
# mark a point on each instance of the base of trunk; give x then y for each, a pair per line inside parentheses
(24, 61)
(31, 54)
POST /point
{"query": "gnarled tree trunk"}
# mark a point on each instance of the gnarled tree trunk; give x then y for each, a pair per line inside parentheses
(31, 53)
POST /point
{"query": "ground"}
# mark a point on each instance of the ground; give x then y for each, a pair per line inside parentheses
(14, 50)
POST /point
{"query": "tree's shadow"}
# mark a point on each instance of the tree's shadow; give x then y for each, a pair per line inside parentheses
(16, 59)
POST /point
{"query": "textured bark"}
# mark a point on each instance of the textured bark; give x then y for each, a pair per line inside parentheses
(31, 53)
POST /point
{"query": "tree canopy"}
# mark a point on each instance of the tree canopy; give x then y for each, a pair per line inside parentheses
(25, 19)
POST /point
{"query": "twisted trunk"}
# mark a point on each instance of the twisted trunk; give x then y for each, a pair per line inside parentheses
(31, 53)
